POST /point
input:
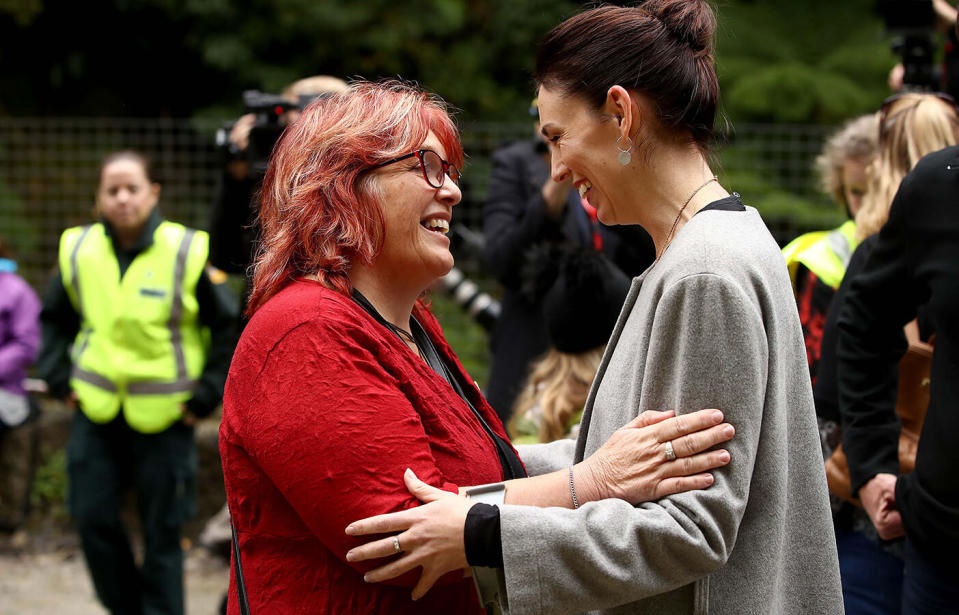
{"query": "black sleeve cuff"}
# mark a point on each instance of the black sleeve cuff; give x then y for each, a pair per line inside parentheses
(481, 536)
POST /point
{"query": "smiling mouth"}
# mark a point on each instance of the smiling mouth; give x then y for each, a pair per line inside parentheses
(437, 225)
(584, 189)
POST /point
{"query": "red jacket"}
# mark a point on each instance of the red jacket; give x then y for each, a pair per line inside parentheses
(324, 409)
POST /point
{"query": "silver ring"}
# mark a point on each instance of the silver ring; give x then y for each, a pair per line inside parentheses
(670, 453)
(396, 544)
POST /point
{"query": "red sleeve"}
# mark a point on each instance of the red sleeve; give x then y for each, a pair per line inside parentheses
(333, 430)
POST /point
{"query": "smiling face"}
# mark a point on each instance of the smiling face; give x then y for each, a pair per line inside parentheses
(126, 196)
(416, 250)
(582, 146)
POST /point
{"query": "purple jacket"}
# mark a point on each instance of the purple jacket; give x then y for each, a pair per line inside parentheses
(19, 330)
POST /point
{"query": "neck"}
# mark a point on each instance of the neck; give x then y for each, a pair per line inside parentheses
(393, 301)
(127, 239)
(669, 191)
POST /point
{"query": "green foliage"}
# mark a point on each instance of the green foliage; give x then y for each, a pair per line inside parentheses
(810, 62)
(467, 339)
(49, 493)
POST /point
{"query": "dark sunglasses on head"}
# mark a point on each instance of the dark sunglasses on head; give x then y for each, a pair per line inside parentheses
(435, 169)
(889, 102)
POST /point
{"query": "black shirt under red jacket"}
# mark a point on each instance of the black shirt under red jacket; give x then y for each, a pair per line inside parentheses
(915, 263)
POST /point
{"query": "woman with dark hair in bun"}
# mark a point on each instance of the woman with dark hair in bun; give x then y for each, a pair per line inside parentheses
(627, 99)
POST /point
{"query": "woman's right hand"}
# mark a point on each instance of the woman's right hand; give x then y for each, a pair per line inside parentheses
(633, 465)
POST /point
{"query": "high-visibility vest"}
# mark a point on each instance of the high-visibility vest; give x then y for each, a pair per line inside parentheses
(825, 253)
(141, 346)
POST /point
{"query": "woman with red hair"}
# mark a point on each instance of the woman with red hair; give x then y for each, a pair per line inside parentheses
(342, 379)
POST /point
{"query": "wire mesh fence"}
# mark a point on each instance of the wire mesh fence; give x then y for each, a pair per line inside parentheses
(48, 173)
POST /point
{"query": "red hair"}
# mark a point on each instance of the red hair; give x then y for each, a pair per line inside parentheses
(320, 209)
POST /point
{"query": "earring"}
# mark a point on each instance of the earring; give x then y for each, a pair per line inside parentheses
(625, 156)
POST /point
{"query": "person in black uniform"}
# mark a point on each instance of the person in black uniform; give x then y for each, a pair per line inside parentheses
(152, 327)
(524, 209)
(915, 263)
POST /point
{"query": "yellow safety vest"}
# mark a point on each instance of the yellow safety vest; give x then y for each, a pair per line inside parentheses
(825, 253)
(140, 346)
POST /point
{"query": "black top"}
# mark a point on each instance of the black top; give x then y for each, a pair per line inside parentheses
(218, 312)
(915, 262)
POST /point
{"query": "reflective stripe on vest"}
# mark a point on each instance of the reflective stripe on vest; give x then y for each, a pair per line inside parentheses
(825, 253)
(126, 369)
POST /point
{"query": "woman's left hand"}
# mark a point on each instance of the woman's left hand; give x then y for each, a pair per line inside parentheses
(430, 536)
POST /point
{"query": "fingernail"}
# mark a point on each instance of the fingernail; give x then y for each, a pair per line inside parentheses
(724, 456)
(409, 473)
(709, 479)
(349, 556)
(350, 530)
(717, 416)
(729, 431)
(366, 578)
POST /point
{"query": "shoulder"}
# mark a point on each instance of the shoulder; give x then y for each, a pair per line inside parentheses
(724, 243)
(176, 232)
(306, 313)
(934, 178)
(732, 249)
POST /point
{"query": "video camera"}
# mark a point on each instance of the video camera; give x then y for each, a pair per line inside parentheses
(269, 111)
(912, 24)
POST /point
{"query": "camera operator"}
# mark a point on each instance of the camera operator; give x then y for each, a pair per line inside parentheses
(247, 146)
(914, 23)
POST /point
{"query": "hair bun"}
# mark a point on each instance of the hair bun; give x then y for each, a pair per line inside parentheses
(692, 22)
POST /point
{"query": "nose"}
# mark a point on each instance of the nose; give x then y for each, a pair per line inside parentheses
(449, 193)
(557, 168)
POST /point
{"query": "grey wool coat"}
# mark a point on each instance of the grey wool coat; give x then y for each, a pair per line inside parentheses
(712, 325)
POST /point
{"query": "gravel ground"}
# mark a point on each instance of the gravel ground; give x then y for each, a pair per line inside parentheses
(52, 579)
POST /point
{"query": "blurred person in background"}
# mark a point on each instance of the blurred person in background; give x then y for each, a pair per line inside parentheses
(582, 293)
(627, 99)
(138, 331)
(19, 340)
(817, 260)
(342, 379)
(233, 232)
(526, 208)
(909, 126)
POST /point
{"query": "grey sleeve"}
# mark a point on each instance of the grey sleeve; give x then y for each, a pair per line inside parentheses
(707, 349)
(546, 458)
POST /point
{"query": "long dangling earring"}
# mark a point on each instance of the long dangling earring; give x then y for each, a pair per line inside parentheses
(625, 155)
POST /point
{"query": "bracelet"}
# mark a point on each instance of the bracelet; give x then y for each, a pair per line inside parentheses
(572, 489)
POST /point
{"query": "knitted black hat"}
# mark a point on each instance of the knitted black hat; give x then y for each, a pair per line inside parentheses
(581, 293)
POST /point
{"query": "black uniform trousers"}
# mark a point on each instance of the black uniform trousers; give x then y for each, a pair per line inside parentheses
(103, 462)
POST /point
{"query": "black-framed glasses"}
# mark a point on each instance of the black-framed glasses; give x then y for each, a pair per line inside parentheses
(435, 169)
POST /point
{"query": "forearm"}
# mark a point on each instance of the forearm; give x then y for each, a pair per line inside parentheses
(546, 458)
(555, 488)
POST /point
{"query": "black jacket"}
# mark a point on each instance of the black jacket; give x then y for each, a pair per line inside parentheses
(915, 263)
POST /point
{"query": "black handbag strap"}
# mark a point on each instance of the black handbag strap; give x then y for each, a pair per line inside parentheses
(240, 584)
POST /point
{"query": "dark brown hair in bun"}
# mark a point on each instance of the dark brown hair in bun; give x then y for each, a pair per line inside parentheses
(662, 49)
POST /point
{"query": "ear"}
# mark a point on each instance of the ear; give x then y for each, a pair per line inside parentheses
(621, 105)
